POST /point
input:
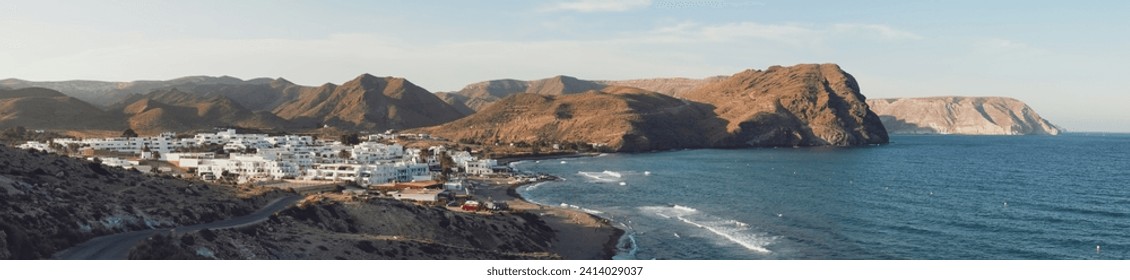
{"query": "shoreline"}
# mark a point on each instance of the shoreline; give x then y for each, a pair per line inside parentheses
(519, 158)
(575, 230)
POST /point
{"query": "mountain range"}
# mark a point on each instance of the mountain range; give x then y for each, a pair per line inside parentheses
(801, 105)
(200, 103)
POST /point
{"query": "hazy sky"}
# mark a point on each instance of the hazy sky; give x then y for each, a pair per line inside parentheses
(1067, 59)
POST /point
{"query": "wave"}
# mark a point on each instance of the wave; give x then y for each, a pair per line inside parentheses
(586, 210)
(627, 247)
(684, 208)
(600, 176)
(613, 174)
(754, 244)
(725, 230)
(534, 186)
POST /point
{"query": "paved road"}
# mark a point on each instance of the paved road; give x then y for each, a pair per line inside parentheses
(117, 246)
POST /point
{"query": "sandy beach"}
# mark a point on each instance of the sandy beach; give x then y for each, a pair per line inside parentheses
(579, 235)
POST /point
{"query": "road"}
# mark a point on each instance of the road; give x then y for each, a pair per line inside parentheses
(117, 246)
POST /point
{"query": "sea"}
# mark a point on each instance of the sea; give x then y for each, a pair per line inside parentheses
(937, 197)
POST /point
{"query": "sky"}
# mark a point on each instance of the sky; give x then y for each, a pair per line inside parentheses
(1067, 59)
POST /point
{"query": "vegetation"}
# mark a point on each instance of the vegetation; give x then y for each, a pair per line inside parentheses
(129, 133)
(350, 139)
(18, 135)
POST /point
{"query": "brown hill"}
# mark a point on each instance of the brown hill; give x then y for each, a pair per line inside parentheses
(802, 105)
(624, 119)
(480, 95)
(459, 102)
(368, 102)
(961, 115)
(106, 94)
(41, 108)
(670, 86)
(177, 111)
(257, 95)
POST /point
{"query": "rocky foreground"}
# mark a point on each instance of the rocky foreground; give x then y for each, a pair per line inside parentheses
(961, 115)
(336, 227)
(49, 203)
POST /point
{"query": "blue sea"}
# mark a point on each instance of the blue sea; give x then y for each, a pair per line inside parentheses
(919, 197)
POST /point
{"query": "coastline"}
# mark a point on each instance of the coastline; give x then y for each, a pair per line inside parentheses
(507, 160)
(575, 230)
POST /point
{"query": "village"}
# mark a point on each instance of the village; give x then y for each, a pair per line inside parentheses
(364, 167)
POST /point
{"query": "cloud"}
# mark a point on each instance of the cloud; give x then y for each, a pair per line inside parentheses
(788, 34)
(791, 34)
(883, 31)
(590, 6)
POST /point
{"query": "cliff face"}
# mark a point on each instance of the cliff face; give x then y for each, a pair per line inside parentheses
(961, 115)
(802, 105)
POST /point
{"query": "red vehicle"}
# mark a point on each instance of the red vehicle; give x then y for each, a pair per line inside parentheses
(471, 205)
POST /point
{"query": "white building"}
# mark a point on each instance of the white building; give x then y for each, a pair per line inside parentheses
(290, 140)
(36, 145)
(117, 162)
(461, 158)
(481, 167)
(369, 174)
(245, 166)
(229, 136)
(371, 153)
(163, 143)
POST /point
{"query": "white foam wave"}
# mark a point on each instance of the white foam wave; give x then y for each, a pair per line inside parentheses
(534, 186)
(598, 176)
(627, 248)
(724, 230)
(684, 208)
(745, 241)
(613, 174)
(586, 210)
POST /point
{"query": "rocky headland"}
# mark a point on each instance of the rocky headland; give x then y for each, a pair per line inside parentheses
(961, 115)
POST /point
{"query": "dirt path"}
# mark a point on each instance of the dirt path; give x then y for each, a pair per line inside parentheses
(117, 246)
